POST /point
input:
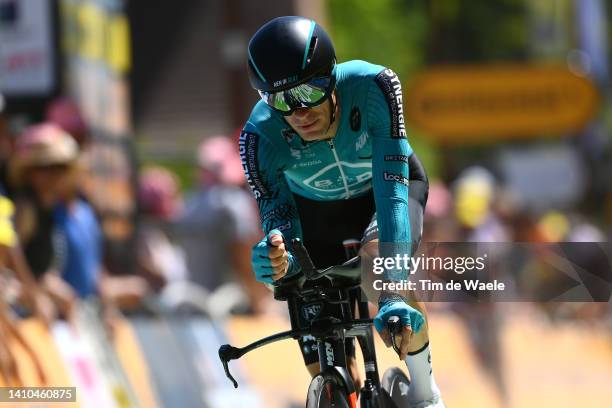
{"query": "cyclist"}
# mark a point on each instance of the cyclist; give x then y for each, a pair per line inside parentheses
(323, 150)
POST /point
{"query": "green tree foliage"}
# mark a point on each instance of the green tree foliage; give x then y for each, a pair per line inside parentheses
(392, 33)
(408, 35)
(477, 31)
(386, 32)
(405, 35)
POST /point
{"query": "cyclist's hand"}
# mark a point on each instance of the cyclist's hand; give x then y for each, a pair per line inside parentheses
(271, 260)
(410, 318)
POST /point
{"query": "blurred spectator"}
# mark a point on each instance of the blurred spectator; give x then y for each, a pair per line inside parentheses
(475, 191)
(439, 200)
(160, 203)
(59, 229)
(29, 294)
(219, 224)
(64, 113)
(9, 373)
(553, 226)
(439, 225)
(159, 261)
(6, 149)
(584, 231)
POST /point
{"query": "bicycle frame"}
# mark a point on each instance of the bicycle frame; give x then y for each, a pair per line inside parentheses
(319, 306)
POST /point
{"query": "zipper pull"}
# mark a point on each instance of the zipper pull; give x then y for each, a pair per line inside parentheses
(330, 142)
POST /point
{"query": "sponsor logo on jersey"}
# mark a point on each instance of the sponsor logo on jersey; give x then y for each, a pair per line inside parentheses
(248, 153)
(288, 135)
(308, 163)
(279, 217)
(329, 179)
(395, 177)
(280, 212)
(298, 148)
(396, 157)
(391, 87)
(326, 183)
(361, 141)
(284, 227)
(296, 153)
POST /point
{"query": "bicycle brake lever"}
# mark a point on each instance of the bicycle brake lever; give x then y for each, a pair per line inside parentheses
(303, 258)
(227, 353)
(394, 326)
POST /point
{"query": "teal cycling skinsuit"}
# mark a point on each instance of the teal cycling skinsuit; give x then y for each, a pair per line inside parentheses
(370, 151)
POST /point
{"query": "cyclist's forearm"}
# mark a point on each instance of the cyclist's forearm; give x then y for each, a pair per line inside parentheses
(418, 192)
(263, 166)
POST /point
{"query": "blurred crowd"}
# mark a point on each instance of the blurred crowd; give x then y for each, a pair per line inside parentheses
(193, 248)
(192, 251)
(478, 207)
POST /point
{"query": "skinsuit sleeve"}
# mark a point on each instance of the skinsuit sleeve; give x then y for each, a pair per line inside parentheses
(392, 173)
(264, 169)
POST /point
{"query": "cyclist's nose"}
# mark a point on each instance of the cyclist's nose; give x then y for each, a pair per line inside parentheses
(299, 113)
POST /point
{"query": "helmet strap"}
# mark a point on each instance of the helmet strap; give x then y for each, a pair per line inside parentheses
(332, 111)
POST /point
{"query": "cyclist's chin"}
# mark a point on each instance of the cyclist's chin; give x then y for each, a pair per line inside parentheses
(316, 133)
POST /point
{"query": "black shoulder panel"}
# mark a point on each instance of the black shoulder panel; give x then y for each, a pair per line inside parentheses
(390, 85)
(248, 144)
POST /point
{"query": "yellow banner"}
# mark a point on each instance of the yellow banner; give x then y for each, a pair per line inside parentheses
(489, 103)
(95, 33)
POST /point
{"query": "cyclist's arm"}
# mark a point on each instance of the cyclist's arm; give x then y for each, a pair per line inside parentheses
(263, 165)
(395, 170)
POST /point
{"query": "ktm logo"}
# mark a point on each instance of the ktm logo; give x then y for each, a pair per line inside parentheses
(329, 354)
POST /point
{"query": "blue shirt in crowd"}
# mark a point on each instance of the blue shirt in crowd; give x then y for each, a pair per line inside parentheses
(79, 246)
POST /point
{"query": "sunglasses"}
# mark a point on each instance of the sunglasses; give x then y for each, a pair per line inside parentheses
(306, 95)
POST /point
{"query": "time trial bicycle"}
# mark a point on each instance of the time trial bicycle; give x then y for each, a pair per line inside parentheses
(321, 305)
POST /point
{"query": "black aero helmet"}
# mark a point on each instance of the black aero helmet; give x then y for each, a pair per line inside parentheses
(288, 51)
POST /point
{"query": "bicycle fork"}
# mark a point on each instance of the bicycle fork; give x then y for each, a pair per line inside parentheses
(332, 358)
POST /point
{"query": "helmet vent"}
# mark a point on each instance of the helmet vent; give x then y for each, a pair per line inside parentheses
(311, 48)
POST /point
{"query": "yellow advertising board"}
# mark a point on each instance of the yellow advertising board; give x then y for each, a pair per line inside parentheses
(489, 103)
(96, 44)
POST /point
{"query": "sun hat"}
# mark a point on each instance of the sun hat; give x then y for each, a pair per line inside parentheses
(42, 145)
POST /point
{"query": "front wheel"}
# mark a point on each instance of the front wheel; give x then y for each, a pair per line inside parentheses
(328, 391)
(396, 384)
